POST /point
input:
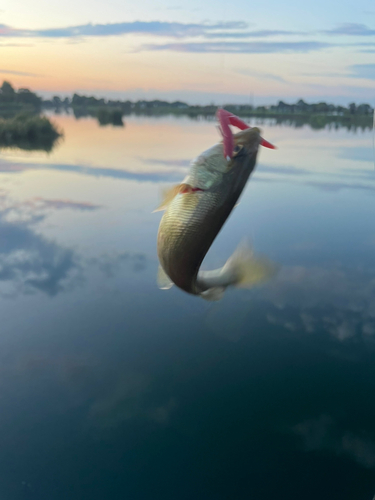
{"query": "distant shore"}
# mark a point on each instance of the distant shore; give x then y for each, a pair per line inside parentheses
(316, 115)
(111, 112)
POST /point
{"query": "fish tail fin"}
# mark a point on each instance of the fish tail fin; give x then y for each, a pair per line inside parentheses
(244, 269)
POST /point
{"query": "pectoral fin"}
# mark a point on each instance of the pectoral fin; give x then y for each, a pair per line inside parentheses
(169, 194)
(163, 280)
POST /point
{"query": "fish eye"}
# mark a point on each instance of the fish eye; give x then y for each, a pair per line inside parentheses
(237, 149)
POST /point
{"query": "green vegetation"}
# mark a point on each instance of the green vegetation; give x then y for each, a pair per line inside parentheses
(13, 101)
(56, 103)
(21, 125)
(317, 116)
(316, 122)
(108, 116)
(30, 132)
(106, 112)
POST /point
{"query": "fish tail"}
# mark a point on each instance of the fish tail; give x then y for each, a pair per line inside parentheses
(243, 269)
(246, 269)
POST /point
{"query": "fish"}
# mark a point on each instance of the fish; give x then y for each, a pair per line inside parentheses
(196, 210)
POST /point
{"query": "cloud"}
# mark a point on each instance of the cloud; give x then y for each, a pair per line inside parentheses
(351, 29)
(263, 76)
(111, 264)
(41, 203)
(331, 185)
(314, 432)
(15, 44)
(161, 176)
(172, 174)
(360, 449)
(334, 302)
(359, 172)
(283, 170)
(155, 28)
(358, 154)
(303, 303)
(338, 186)
(254, 34)
(360, 92)
(28, 261)
(19, 73)
(125, 400)
(322, 434)
(170, 163)
(230, 29)
(109, 394)
(36, 209)
(366, 71)
(240, 47)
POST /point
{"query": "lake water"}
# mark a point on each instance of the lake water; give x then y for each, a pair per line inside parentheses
(113, 389)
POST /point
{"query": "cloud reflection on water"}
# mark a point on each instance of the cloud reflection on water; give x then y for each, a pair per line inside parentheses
(110, 394)
(323, 434)
(152, 176)
(335, 301)
(31, 262)
(28, 260)
(175, 175)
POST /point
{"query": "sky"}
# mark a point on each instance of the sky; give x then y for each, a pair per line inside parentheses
(200, 52)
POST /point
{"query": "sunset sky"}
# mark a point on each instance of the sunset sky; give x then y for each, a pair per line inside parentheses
(201, 52)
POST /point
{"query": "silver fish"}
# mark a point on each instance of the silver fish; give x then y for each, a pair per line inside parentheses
(195, 213)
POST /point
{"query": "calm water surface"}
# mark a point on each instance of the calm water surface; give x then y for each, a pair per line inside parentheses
(113, 389)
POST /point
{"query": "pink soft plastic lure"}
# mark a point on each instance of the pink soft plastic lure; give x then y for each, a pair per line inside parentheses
(225, 119)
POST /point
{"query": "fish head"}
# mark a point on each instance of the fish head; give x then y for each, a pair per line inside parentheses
(208, 169)
(246, 143)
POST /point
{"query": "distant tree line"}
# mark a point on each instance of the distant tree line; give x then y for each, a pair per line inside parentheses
(23, 96)
(316, 115)
(108, 111)
(81, 103)
(57, 103)
(158, 106)
(303, 107)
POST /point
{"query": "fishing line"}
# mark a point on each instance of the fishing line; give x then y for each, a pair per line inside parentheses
(373, 137)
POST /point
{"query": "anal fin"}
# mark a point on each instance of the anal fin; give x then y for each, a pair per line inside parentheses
(213, 294)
